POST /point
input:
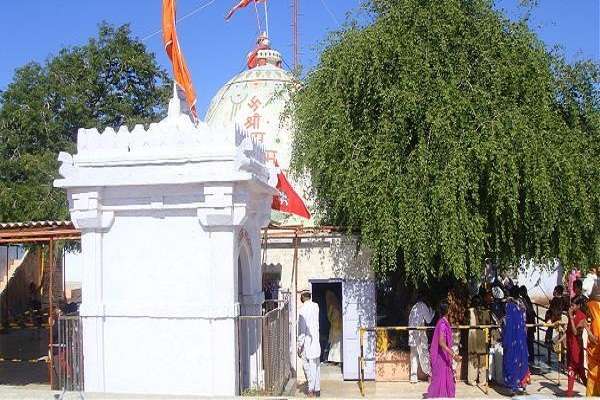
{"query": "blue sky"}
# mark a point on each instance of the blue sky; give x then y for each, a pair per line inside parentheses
(33, 30)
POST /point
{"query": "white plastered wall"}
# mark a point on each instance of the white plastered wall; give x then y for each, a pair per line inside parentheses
(320, 256)
(163, 214)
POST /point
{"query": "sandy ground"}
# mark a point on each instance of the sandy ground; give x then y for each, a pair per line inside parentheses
(18, 348)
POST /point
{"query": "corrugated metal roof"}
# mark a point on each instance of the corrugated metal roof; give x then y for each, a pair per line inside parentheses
(37, 232)
(35, 224)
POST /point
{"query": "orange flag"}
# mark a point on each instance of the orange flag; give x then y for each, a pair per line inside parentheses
(181, 74)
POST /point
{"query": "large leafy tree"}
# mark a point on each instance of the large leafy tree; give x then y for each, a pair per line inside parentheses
(445, 133)
(112, 80)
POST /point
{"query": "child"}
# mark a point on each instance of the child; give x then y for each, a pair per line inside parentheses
(578, 290)
(554, 313)
(575, 350)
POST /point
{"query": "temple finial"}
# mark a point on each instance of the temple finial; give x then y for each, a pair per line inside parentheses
(174, 103)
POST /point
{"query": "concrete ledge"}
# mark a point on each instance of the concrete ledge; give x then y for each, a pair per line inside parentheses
(185, 311)
(19, 393)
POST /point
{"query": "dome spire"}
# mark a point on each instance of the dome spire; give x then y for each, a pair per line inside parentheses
(263, 54)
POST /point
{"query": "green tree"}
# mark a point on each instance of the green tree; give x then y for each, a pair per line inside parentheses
(446, 133)
(112, 80)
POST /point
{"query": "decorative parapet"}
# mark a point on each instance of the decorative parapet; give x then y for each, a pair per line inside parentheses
(175, 140)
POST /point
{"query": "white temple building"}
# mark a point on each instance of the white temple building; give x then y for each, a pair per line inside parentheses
(159, 187)
(161, 321)
(316, 259)
(181, 242)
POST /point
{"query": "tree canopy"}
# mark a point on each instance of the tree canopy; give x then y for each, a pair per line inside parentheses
(112, 80)
(446, 133)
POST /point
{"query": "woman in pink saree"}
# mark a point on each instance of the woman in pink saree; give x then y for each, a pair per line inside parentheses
(441, 353)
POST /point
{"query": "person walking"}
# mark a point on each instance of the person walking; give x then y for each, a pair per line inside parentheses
(497, 310)
(420, 315)
(591, 289)
(553, 315)
(458, 305)
(575, 353)
(477, 346)
(530, 319)
(443, 383)
(309, 348)
(514, 343)
(574, 275)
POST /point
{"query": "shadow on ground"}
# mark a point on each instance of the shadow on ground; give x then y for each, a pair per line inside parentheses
(18, 349)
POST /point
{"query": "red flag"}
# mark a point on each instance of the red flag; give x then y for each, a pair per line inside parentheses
(288, 200)
(181, 74)
(241, 4)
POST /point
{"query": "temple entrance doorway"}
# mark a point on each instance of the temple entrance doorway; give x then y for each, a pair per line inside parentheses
(327, 293)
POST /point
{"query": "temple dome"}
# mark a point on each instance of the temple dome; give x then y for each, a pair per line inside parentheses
(255, 100)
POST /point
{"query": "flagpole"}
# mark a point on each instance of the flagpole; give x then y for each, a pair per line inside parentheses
(257, 17)
(267, 17)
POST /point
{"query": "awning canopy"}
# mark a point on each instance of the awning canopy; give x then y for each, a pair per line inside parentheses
(37, 232)
(45, 231)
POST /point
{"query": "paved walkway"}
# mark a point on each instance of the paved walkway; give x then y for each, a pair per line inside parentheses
(332, 386)
(330, 389)
(395, 390)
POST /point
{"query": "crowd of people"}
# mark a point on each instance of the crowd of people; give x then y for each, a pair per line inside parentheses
(497, 338)
(507, 355)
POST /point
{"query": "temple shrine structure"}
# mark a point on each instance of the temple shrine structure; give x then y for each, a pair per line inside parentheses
(162, 310)
(297, 254)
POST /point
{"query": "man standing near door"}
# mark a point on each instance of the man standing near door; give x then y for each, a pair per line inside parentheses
(420, 315)
(309, 348)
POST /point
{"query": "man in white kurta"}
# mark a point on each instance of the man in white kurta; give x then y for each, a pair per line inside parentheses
(309, 348)
(588, 283)
(420, 314)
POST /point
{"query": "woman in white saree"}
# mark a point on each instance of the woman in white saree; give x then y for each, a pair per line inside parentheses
(334, 315)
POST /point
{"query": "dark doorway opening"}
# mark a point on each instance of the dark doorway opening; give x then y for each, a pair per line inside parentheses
(320, 288)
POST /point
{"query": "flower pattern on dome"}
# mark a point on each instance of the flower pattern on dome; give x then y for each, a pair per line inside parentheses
(267, 86)
(255, 99)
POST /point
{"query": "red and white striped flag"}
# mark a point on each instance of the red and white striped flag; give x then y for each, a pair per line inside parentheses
(241, 4)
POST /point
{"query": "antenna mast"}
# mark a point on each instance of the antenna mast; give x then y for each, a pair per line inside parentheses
(295, 34)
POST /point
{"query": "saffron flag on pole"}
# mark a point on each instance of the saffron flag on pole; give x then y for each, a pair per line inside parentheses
(181, 74)
(241, 4)
(287, 200)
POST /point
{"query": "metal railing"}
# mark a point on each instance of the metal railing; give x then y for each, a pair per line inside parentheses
(67, 354)
(268, 366)
(272, 366)
(362, 360)
(540, 332)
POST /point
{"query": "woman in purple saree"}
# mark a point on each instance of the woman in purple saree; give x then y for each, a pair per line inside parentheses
(442, 375)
